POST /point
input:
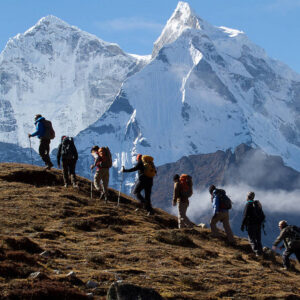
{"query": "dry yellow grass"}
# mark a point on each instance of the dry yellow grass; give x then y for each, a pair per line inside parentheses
(102, 242)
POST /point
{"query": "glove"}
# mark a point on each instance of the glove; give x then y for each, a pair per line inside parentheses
(123, 169)
(242, 228)
(29, 135)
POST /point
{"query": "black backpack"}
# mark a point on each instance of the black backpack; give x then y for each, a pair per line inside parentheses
(295, 233)
(225, 202)
(68, 149)
(258, 213)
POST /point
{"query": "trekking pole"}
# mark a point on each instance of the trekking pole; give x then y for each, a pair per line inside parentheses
(30, 150)
(91, 184)
(121, 184)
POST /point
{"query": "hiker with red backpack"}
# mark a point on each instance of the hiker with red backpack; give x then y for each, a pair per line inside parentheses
(183, 189)
(69, 156)
(221, 205)
(102, 162)
(44, 131)
(253, 219)
(146, 172)
(290, 236)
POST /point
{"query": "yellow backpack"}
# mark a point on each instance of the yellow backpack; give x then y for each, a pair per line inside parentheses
(150, 170)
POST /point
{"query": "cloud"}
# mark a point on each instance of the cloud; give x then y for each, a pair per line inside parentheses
(283, 6)
(129, 24)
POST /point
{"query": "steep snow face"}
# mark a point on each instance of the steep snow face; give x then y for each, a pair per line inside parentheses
(69, 76)
(206, 88)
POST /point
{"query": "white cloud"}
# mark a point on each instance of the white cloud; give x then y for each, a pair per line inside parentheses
(129, 24)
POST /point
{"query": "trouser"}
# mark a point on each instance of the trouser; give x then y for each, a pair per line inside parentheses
(254, 237)
(287, 253)
(145, 200)
(44, 151)
(183, 220)
(102, 175)
(69, 166)
(224, 218)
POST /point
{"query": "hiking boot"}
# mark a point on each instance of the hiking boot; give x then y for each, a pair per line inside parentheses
(150, 212)
(49, 166)
(284, 269)
(75, 185)
(66, 185)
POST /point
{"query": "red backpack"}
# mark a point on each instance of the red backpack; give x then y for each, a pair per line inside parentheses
(105, 154)
(186, 185)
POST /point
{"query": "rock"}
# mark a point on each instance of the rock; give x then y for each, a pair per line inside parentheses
(202, 225)
(91, 284)
(71, 274)
(45, 254)
(126, 291)
(56, 272)
(37, 275)
(73, 279)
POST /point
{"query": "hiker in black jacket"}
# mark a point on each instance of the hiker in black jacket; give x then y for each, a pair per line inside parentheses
(253, 219)
(144, 183)
(68, 152)
(290, 236)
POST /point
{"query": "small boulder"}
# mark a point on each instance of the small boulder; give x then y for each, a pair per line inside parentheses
(91, 284)
(126, 291)
(202, 225)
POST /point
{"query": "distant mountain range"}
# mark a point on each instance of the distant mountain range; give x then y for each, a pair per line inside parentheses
(203, 89)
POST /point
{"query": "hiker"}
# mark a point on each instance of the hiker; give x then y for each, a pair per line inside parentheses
(183, 189)
(69, 156)
(146, 172)
(102, 163)
(290, 236)
(253, 219)
(221, 205)
(45, 133)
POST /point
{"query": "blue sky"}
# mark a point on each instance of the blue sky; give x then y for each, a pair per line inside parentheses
(135, 24)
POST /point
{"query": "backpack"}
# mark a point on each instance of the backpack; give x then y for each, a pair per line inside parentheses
(150, 170)
(186, 185)
(68, 149)
(105, 154)
(49, 131)
(295, 230)
(225, 202)
(259, 215)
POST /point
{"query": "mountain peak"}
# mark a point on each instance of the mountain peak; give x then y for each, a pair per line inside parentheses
(50, 19)
(182, 18)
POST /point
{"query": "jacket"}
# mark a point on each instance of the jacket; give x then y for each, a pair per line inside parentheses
(177, 196)
(287, 237)
(40, 128)
(216, 203)
(141, 169)
(97, 162)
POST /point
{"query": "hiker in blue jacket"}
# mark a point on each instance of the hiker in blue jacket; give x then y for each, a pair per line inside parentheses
(219, 214)
(44, 148)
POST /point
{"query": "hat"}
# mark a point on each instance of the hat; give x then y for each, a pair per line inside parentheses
(282, 223)
(138, 157)
(251, 195)
(37, 117)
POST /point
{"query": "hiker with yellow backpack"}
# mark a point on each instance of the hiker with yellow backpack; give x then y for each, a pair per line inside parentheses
(183, 189)
(146, 172)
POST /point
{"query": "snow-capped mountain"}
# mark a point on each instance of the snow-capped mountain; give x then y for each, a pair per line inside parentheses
(69, 76)
(206, 88)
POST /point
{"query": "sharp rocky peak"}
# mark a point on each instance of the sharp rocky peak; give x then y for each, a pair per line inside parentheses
(182, 18)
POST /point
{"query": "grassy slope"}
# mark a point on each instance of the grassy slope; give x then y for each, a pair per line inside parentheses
(101, 242)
